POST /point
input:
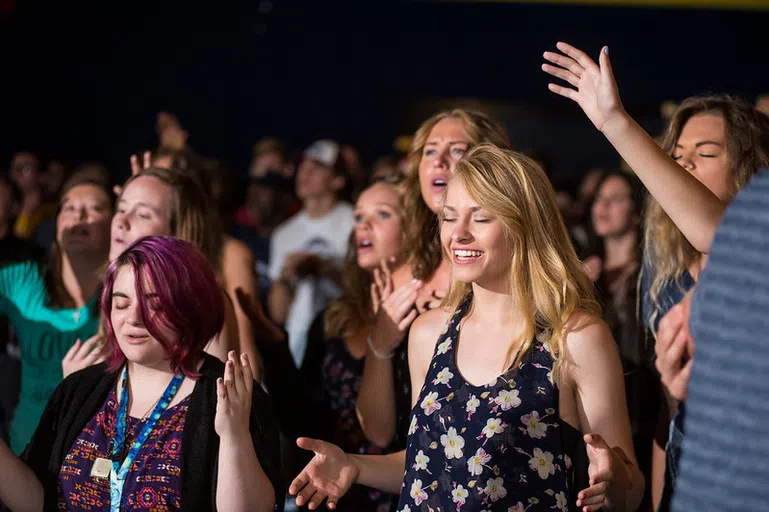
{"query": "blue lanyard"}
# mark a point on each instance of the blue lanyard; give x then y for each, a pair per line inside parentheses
(120, 470)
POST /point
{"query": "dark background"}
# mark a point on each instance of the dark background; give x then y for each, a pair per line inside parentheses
(84, 82)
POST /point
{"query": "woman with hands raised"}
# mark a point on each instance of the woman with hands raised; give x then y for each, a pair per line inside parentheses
(595, 91)
(161, 424)
(329, 380)
(508, 373)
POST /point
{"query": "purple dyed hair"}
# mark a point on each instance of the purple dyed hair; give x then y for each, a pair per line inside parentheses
(191, 302)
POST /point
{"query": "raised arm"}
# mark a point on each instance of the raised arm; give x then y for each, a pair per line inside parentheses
(692, 207)
(242, 483)
(239, 271)
(20, 490)
(592, 372)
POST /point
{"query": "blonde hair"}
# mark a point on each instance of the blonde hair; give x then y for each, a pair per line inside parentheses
(666, 250)
(354, 311)
(422, 238)
(545, 274)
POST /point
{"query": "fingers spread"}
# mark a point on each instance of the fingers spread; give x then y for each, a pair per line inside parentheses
(563, 91)
(298, 483)
(562, 74)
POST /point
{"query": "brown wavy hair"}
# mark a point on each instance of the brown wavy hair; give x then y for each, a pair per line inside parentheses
(666, 250)
(354, 311)
(546, 275)
(422, 239)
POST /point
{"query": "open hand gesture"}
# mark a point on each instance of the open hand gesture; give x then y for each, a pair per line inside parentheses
(609, 476)
(596, 90)
(394, 309)
(328, 475)
(82, 355)
(233, 392)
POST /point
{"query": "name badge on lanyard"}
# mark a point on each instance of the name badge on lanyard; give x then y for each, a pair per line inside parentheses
(115, 468)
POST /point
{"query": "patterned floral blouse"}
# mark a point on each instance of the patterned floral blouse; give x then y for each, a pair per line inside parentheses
(497, 447)
(152, 483)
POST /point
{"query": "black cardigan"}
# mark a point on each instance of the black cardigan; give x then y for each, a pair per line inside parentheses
(79, 397)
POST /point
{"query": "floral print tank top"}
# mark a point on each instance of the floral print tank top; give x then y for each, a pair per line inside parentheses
(498, 447)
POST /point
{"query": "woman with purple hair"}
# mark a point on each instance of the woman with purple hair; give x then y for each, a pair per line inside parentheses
(160, 425)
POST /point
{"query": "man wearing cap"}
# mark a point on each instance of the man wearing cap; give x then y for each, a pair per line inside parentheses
(306, 251)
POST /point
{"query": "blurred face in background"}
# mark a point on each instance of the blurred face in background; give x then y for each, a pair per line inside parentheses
(445, 145)
(314, 180)
(613, 213)
(25, 171)
(82, 225)
(377, 229)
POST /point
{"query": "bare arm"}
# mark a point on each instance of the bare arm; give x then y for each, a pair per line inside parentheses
(242, 484)
(238, 269)
(692, 207)
(20, 490)
(593, 369)
(279, 300)
(376, 405)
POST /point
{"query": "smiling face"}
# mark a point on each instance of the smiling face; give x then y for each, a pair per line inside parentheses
(133, 337)
(475, 240)
(701, 150)
(82, 225)
(377, 225)
(445, 145)
(144, 209)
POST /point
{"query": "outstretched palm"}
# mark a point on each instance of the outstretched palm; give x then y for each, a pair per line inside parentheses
(328, 475)
(596, 90)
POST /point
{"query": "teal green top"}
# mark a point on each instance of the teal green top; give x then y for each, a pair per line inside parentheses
(45, 335)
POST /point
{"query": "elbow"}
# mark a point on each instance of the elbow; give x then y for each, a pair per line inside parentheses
(380, 434)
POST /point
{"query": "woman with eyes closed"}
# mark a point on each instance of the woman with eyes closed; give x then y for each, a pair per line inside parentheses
(713, 146)
(384, 401)
(163, 202)
(327, 384)
(52, 306)
(161, 426)
(507, 373)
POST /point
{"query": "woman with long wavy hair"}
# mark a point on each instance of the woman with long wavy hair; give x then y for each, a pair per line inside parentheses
(328, 381)
(439, 143)
(508, 373)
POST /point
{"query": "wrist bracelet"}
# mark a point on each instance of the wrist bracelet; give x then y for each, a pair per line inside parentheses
(378, 355)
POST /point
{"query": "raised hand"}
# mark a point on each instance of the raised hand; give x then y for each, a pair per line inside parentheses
(233, 392)
(328, 475)
(170, 131)
(394, 309)
(596, 90)
(609, 476)
(136, 168)
(82, 355)
(674, 347)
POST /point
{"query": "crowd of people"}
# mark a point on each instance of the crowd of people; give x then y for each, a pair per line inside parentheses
(446, 330)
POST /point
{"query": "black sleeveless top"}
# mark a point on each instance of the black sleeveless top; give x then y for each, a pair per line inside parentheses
(496, 447)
